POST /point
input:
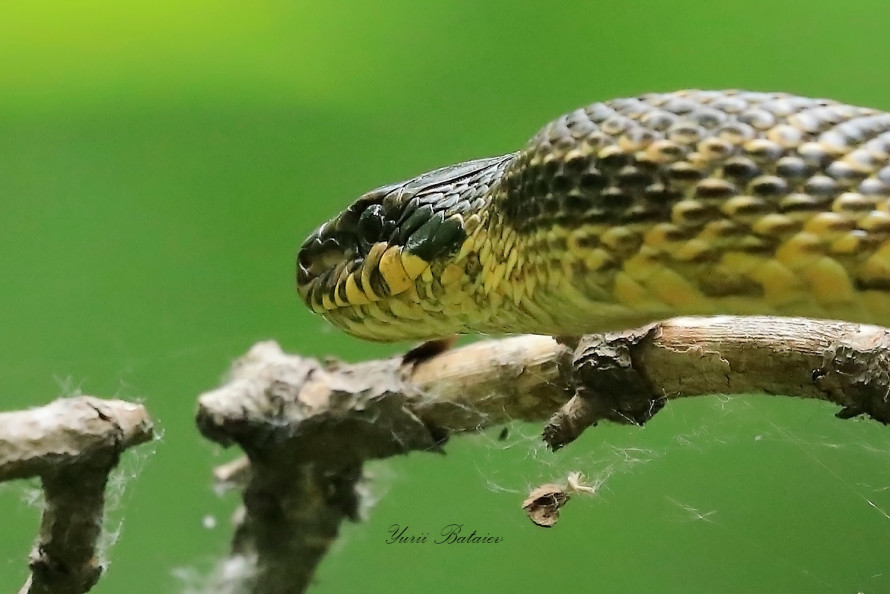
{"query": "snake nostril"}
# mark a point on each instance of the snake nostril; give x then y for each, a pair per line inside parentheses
(304, 264)
(320, 254)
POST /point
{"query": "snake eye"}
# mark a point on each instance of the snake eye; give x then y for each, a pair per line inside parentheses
(370, 226)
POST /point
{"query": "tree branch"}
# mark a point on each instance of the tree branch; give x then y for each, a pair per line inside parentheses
(71, 444)
(307, 428)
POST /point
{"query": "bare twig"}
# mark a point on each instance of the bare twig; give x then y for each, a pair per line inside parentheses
(72, 445)
(307, 428)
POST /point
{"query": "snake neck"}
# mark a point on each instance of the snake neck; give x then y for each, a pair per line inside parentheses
(555, 280)
(686, 204)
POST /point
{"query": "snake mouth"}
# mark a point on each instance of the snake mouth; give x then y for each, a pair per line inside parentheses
(381, 244)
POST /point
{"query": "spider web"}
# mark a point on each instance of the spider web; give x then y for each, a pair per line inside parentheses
(717, 493)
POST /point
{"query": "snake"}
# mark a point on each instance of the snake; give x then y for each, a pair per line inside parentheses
(622, 213)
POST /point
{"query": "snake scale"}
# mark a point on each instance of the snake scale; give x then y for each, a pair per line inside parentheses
(622, 213)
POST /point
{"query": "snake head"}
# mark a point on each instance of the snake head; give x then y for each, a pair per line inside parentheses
(361, 269)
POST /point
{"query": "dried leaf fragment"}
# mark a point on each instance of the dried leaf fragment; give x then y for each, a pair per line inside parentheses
(543, 503)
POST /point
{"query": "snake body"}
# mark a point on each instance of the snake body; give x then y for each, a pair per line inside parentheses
(621, 213)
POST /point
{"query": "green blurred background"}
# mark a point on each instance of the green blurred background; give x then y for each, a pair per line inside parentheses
(160, 162)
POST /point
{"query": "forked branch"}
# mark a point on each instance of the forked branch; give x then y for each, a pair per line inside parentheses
(307, 428)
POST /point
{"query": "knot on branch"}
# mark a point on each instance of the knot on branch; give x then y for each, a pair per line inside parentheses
(609, 385)
(858, 378)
